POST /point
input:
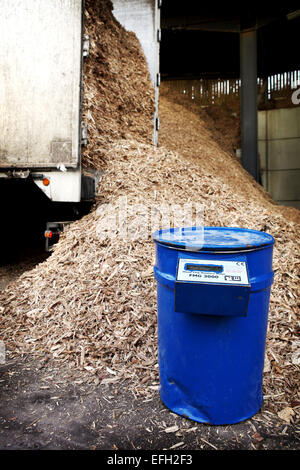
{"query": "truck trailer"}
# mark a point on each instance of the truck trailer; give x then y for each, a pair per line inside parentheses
(43, 48)
(41, 129)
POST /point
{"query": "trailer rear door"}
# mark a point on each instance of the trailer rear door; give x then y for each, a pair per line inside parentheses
(40, 81)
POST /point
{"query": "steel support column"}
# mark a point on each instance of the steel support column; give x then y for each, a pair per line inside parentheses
(248, 70)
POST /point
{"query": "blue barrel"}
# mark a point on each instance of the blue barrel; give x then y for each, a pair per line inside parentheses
(213, 290)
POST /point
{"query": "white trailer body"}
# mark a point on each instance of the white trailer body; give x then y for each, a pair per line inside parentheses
(40, 93)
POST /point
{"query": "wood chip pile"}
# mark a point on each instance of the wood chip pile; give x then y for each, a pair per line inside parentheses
(91, 307)
(118, 97)
(223, 120)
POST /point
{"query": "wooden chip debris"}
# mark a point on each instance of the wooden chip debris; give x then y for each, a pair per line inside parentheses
(286, 414)
(172, 429)
(91, 306)
(118, 97)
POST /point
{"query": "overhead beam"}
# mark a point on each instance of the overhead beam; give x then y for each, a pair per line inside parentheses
(220, 24)
(201, 24)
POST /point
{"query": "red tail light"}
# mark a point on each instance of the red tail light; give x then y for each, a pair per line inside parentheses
(48, 234)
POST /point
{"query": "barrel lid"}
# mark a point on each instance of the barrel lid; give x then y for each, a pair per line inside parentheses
(213, 238)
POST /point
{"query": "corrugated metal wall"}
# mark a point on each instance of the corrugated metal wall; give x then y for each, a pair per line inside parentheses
(205, 92)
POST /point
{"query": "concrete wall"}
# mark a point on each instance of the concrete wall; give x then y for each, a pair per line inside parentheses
(143, 18)
(279, 149)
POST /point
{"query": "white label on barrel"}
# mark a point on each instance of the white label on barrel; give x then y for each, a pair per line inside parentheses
(213, 271)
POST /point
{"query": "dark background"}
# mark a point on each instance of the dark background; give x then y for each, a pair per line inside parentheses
(200, 40)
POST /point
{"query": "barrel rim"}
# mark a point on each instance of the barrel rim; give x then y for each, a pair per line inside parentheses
(266, 240)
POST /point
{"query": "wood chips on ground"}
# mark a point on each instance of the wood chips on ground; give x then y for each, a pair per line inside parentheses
(91, 306)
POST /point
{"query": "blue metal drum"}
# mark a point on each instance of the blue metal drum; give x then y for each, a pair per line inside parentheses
(213, 290)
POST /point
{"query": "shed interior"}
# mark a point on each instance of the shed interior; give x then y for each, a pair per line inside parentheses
(250, 51)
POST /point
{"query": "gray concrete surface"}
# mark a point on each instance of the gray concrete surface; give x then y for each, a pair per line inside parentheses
(279, 149)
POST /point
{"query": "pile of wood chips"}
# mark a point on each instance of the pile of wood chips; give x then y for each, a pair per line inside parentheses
(118, 97)
(91, 306)
(223, 120)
